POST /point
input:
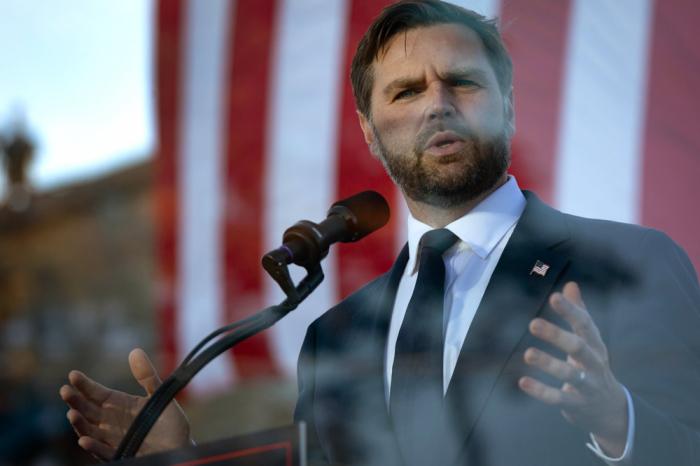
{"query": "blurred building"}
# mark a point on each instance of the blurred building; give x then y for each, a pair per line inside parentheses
(76, 276)
(76, 291)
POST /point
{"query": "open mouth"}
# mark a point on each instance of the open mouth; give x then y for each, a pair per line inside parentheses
(444, 143)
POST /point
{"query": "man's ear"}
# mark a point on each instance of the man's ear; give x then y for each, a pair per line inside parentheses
(367, 132)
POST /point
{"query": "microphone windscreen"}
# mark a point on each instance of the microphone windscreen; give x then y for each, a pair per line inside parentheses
(366, 211)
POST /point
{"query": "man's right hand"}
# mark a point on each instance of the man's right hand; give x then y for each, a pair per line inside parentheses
(101, 416)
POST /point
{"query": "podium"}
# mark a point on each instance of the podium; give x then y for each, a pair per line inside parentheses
(285, 446)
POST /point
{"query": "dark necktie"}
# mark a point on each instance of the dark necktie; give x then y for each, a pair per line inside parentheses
(416, 398)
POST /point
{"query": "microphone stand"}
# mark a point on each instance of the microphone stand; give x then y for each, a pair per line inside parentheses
(275, 263)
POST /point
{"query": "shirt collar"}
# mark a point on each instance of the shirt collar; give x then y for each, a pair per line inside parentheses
(480, 229)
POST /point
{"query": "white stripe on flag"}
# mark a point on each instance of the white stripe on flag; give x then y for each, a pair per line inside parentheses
(301, 159)
(603, 109)
(199, 303)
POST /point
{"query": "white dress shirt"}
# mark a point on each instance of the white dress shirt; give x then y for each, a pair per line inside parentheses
(483, 234)
(469, 264)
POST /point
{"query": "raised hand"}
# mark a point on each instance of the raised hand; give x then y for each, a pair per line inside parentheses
(101, 416)
(590, 396)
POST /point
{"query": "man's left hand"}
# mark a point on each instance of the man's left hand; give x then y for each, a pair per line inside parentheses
(590, 396)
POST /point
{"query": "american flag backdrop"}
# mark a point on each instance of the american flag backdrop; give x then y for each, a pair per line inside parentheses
(257, 129)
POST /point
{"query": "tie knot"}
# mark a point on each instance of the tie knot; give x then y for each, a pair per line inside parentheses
(439, 240)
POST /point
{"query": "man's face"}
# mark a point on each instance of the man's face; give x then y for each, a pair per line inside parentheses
(438, 119)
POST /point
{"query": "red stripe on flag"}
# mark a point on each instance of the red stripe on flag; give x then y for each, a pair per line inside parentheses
(168, 55)
(245, 125)
(671, 167)
(359, 171)
(536, 32)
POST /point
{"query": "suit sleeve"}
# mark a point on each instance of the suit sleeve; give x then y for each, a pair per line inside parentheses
(659, 344)
(304, 407)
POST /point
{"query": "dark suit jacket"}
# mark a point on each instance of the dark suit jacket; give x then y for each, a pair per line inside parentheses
(641, 291)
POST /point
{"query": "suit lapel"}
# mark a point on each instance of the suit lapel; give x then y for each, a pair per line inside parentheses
(381, 316)
(363, 408)
(513, 297)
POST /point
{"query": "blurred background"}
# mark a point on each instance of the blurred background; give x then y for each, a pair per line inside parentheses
(152, 151)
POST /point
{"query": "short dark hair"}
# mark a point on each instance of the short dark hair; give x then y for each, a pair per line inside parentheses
(410, 14)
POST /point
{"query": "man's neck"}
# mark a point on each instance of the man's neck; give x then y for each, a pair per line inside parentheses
(438, 217)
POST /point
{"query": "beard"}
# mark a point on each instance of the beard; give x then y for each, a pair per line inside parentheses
(449, 180)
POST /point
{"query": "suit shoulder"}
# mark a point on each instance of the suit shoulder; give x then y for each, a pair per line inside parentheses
(578, 224)
(634, 245)
(625, 235)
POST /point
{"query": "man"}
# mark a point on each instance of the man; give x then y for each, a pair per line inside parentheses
(476, 347)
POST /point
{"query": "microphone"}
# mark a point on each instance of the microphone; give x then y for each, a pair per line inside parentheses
(305, 243)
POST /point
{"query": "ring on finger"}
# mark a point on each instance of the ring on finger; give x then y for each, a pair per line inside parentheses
(582, 377)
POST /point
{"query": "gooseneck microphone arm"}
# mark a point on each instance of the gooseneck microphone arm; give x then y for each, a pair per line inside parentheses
(304, 244)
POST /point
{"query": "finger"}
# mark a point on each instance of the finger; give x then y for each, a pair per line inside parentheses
(547, 394)
(75, 400)
(576, 315)
(109, 434)
(553, 366)
(578, 318)
(90, 389)
(71, 424)
(81, 425)
(572, 292)
(571, 343)
(97, 448)
(143, 371)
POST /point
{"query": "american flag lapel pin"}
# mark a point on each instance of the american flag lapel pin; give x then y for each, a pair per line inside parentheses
(540, 268)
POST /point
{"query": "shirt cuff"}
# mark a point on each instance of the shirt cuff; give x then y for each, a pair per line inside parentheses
(627, 453)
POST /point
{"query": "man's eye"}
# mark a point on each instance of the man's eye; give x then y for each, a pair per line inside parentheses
(405, 94)
(465, 83)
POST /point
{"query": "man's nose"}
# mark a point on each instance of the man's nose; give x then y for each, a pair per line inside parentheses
(441, 104)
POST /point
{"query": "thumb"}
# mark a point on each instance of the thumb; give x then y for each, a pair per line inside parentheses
(143, 370)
